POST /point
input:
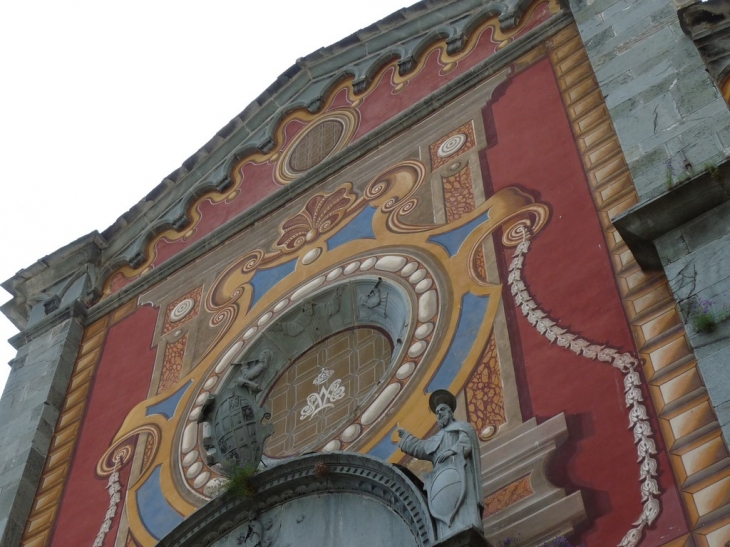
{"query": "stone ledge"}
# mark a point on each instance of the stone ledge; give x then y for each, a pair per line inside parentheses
(641, 225)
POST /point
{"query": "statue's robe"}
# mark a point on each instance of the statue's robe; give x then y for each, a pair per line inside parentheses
(461, 438)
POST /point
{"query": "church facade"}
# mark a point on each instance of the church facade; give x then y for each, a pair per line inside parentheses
(522, 202)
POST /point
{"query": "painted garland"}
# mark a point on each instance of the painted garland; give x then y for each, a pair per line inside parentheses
(625, 362)
(114, 489)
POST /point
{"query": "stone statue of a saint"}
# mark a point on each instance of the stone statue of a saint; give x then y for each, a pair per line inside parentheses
(454, 487)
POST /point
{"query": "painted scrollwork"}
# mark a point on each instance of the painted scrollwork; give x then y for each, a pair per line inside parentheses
(116, 457)
(392, 191)
(121, 452)
(325, 398)
(415, 263)
(321, 214)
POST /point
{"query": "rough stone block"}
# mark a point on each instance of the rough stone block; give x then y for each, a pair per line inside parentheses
(711, 227)
(598, 35)
(701, 151)
(715, 370)
(649, 172)
(694, 90)
(707, 344)
(642, 15)
(10, 532)
(648, 120)
(595, 31)
(33, 399)
(628, 55)
(671, 247)
(584, 14)
(644, 86)
(707, 267)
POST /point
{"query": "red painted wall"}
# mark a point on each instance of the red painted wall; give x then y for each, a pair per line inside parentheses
(121, 381)
(569, 273)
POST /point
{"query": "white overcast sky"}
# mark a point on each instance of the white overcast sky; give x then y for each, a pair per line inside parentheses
(100, 100)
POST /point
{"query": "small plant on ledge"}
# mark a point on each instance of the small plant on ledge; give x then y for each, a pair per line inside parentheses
(713, 170)
(705, 318)
(238, 480)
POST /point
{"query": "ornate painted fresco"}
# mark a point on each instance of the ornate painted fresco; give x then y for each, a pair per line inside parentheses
(474, 253)
(350, 113)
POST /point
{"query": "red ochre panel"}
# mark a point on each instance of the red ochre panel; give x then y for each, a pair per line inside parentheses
(568, 272)
(122, 381)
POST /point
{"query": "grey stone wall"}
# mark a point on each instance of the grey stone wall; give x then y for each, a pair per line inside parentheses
(30, 406)
(666, 109)
(672, 122)
(696, 258)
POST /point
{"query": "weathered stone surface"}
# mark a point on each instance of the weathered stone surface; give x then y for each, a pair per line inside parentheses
(706, 22)
(31, 403)
(666, 109)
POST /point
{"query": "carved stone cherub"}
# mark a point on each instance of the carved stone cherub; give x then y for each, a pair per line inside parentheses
(251, 370)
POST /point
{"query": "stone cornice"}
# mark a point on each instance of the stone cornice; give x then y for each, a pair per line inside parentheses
(75, 310)
(50, 277)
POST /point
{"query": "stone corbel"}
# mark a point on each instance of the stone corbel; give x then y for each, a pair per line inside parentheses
(644, 223)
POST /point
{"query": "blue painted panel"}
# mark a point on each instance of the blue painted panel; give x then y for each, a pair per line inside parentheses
(158, 516)
(168, 407)
(360, 227)
(451, 241)
(385, 448)
(471, 315)
(263, 280)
